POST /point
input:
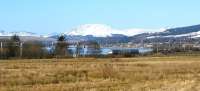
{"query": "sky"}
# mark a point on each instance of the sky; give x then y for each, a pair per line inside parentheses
(49, 16)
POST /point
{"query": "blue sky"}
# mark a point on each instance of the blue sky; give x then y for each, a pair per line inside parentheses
(47, 16)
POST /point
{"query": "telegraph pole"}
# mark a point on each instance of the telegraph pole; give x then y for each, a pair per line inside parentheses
(1, 48)
(21, 49)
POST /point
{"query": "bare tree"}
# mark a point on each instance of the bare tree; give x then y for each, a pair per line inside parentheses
(33, 49)
(61, 47)
(13, 46)
(78, 49)
(96, 48)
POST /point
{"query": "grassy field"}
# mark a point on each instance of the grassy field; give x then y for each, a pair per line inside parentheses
(180, 73)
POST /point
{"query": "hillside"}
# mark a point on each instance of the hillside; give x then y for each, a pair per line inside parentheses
(105, 34)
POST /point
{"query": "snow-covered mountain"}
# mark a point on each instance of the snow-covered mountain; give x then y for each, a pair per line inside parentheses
(188, 31)
(4, 33)
(25, 36)
(191, 35)
(183, 34)
(51, 35)
(101, 30)
(107, 34)
(102, 33)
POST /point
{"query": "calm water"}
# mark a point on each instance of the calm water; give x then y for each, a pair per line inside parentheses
(106, 51)
(103, 51)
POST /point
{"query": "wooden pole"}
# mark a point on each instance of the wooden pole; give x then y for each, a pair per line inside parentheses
(21, 49)
(1, 49)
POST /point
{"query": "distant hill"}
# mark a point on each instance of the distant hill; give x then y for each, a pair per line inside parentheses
(25, 36)
(182, 30)
(175, 34)
(105, 35)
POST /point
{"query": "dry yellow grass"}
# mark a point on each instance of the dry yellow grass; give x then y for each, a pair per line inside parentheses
(125, 74)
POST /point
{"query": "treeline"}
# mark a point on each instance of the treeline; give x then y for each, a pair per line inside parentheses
(14, 48)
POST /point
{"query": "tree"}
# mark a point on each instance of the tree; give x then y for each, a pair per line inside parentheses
(33, 49)
(96, 48)
(61, 47)
(4, 49)
(15, 38)
(14, 46)
(78, 49)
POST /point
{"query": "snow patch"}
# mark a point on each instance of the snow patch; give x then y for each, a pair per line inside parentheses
(3, 33)
(192, 35)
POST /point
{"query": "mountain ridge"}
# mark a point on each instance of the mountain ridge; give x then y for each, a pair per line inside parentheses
(102, 30)
(112, 35)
